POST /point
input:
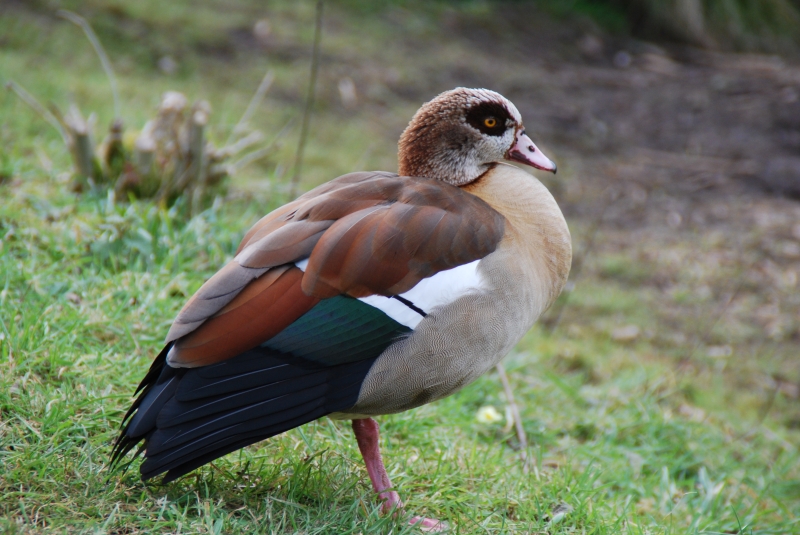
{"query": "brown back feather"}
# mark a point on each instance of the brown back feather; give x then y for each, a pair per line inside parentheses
(364, 234)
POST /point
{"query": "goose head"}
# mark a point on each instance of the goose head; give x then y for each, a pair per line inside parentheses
(459, 135)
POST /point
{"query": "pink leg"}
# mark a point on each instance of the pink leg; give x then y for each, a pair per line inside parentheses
(367, 435)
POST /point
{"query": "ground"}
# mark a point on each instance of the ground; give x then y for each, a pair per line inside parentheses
(661, 394)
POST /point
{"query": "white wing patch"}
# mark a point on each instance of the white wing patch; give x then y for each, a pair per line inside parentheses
(302, 264)
(438, 290)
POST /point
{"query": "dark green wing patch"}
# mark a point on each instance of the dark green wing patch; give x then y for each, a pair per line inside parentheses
(337, 331)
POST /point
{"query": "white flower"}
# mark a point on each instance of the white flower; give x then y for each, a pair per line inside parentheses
(488, 415)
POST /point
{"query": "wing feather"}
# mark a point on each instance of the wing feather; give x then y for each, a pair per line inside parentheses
(269, 305)
(363, 234)
(292, 241)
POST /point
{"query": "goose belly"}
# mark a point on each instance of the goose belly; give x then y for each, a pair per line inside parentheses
(454, 344)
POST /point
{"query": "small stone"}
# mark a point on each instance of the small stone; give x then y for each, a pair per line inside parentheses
(695, 414)
(167, 65)
(347, 92)
(674, 219)
(627, 333)
(622, 59)
(262, 30)
(660, 64)
(791, 249)
(717, 352)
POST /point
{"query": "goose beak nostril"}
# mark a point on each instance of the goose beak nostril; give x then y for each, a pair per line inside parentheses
(525, 151)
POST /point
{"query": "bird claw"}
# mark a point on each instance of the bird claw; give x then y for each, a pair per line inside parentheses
(366, 431)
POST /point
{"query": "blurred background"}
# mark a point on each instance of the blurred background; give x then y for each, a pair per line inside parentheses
(675, 125)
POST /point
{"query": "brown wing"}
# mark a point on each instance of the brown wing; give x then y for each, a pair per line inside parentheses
(262, 309)
(363, 233)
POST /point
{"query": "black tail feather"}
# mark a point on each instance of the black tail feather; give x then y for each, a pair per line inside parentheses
(210, 447)
(241, 441)
(189, 417)
(125, 442)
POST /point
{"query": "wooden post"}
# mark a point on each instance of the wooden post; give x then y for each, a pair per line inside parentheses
(79, 135)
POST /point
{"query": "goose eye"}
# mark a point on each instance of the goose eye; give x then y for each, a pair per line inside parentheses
(490, 122)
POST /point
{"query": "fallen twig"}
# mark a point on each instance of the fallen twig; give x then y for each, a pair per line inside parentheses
(256, 155)
(512, 404)
(36, 106)
(258, 97)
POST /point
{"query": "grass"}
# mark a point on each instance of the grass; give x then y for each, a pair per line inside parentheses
(651, 435)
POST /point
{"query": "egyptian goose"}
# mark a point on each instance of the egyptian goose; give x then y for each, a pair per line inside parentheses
(372, 294)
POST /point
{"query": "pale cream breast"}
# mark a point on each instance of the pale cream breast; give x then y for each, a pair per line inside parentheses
(457, 343)
(536, 247)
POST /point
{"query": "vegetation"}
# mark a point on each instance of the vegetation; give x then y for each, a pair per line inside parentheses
(742, 25)
(650, 409)
(723, 24)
